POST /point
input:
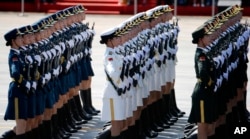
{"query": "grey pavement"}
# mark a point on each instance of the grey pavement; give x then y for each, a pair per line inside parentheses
(185, 76)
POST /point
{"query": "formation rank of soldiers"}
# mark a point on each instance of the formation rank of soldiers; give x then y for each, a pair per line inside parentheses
(50, 65)
(224, 60)
(140, 58)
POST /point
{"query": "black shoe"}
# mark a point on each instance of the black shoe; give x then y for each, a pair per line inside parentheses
(168, 121)
(56, 136)
(171, 118)
(157, 128)
(150, 133)
(23, 136)
(69, 129)
(90, 101)
(85, 115)
(64, 136)
(9, 134)
(64, 132)
(81, 112)
(163, 125)
(86, 102)
(105, 134)
(75, 126)
(79, 121)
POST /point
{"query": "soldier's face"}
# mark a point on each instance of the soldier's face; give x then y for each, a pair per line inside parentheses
(43, 34)
(206, 40)
(37, 36)
(110, 44)
(18, 41)
(83, 16)
(57, 25)
(26, 39)
(32, 38)
(115, 41)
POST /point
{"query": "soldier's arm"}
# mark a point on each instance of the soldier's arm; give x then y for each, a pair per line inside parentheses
(203, 69)
(14, 69)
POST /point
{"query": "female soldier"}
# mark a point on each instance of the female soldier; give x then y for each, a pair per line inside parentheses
(19, 87)
(202, 111)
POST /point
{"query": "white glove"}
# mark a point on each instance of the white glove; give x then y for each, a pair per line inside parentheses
(86, 51)
(27, 85)
(71, 43)
(45, 55)
(63, 46)
(92, 31)
(29, 59)
(48, 76)
(72, 59)
(90, 51)
(53, 52)
(68, 65)
(43, 80)
(34, 85)
(54, 72)
(60, 69)
(38, 59)
(49, 54)
(75, 57)
(58, 48)
(84, 36)
(81, 55)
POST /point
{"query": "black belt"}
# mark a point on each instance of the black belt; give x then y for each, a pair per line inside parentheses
(118, 90)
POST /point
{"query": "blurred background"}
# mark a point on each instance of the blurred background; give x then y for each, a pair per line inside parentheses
(183, 7)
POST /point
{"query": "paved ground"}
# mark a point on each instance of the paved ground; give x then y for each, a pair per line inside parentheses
(185, 79)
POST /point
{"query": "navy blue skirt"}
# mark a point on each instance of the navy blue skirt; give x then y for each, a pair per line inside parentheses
(17, 107)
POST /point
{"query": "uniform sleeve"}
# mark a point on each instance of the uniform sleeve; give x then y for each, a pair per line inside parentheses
(203, 70)
(14, 69)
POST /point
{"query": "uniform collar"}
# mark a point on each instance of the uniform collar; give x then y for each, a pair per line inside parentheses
(17, 51)
(203, 49)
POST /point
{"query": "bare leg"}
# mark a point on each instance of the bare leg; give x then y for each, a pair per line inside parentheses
(116, 127)
(20, 126)
(202, 130)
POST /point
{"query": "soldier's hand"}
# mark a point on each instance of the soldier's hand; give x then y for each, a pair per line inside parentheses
(33, 88)
(47, 77)
(68, 66)
(28, 59)
(27, 87)
(41, 82)
(34, 85)
(38, 59)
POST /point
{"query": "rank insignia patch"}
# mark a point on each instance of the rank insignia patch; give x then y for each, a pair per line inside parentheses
(202, 58)
(14, 59)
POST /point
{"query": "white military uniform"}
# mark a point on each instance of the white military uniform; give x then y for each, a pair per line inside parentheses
(170, 68)
(113, 104)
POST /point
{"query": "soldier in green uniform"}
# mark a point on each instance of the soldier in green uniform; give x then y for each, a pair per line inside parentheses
(203, 104)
